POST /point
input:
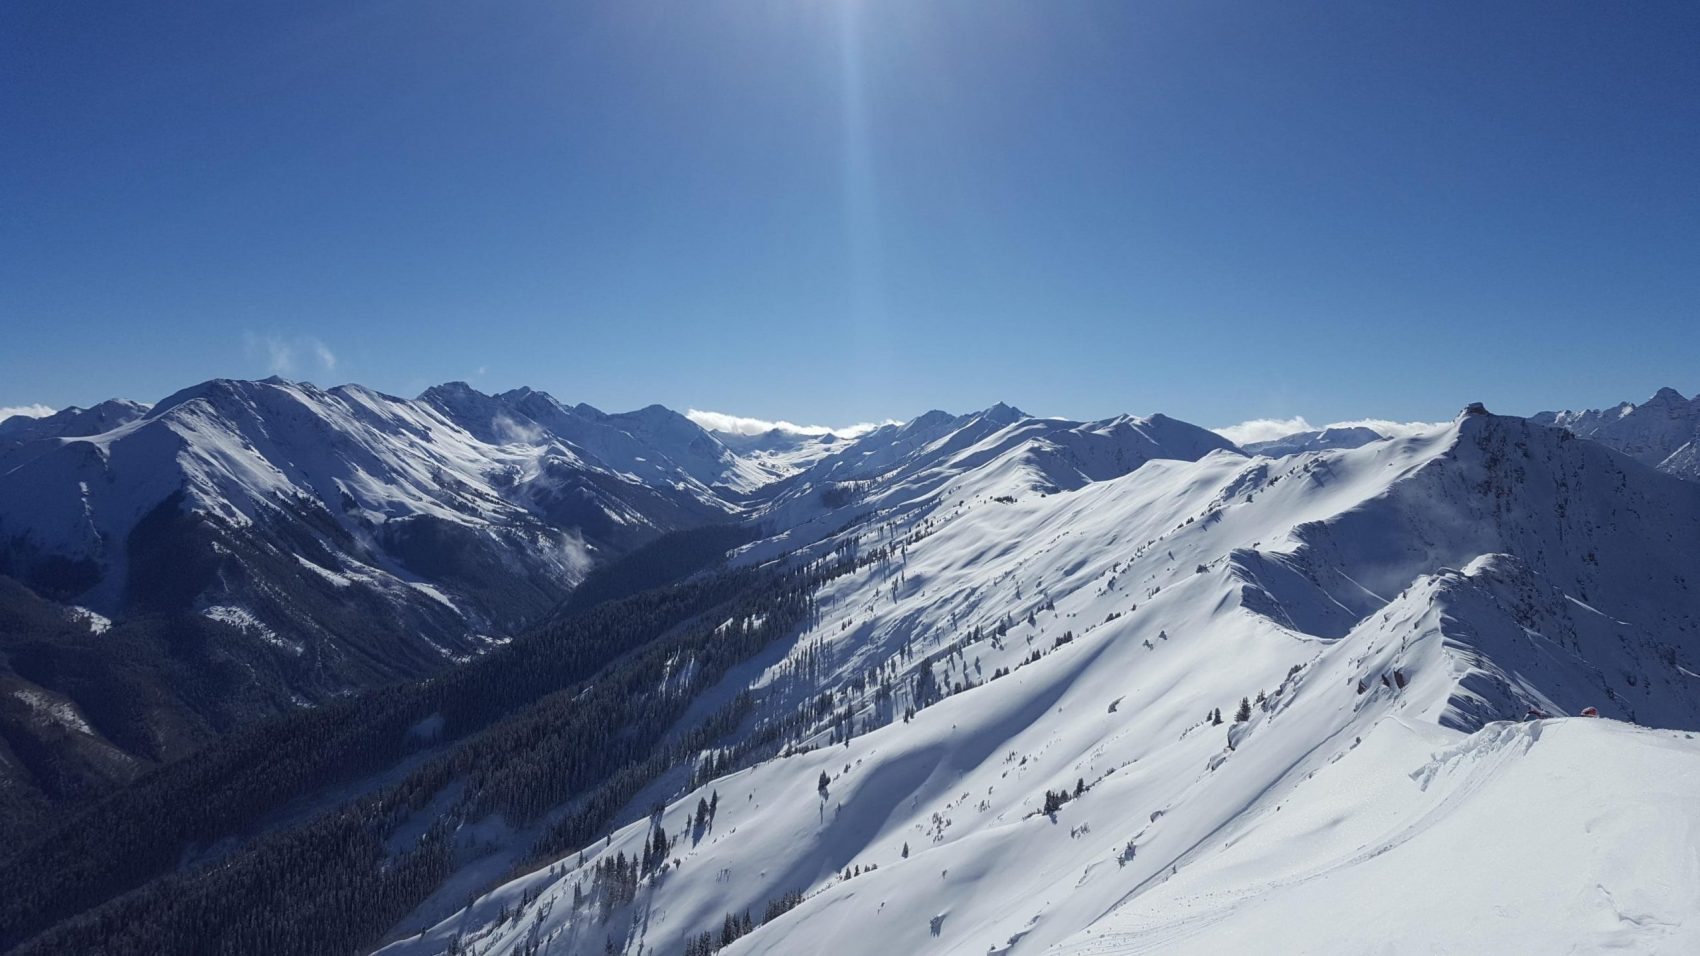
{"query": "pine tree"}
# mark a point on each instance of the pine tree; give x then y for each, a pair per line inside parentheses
(906, 851)
(728, 931)
(825, 781)
(1245, 711)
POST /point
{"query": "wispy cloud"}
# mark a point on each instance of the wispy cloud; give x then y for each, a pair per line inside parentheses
(286, 356)
(27, 411)
(322, 352)
(1264, 429)
(744, 425)
(1391, 429)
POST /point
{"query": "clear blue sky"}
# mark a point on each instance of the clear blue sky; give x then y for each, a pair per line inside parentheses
(835, 211)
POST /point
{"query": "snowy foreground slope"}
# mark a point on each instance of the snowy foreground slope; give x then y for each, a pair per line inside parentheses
(1004, 735)
(1543, 837)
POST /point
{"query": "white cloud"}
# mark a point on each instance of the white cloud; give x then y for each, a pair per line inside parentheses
(27, 411)
(278, 354)
(742, 425)
(514, 433)
(1389, 428)
(1269, 429)
(282, 355)
(1264, 429)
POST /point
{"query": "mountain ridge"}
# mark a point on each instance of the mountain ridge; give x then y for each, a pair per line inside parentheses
(959, 635)
(1459, 639)
(1663, 431)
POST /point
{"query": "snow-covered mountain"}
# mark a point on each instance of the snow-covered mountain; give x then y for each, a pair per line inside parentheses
(1663, 431)
(998, 451)
(976, 683)
(459, 514)
(1065, 694)
(242, 548)
(70, 422)
(779, 453)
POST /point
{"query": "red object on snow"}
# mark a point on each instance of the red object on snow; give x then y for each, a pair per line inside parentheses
(1590, 712)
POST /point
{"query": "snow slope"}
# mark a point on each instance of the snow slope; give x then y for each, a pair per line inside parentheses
(1390, 614)
(777, 453)
(1519, 837)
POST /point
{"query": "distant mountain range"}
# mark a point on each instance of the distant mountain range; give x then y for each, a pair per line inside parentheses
(243, 548)
(530, 677)
(1663, 431)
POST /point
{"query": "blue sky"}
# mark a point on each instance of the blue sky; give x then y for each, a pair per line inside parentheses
(846, 211)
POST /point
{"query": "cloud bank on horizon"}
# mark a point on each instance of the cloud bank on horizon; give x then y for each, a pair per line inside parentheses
(745, 425)
(1269, 429)
(28, 411)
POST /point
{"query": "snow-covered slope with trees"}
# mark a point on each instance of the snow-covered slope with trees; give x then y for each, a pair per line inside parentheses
(1075, 696)
(1663, 431)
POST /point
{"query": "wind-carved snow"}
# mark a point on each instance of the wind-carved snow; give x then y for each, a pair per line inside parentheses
(244, 620)
(1389, 615)
(330, 577)
(97, 623)
(59, 712)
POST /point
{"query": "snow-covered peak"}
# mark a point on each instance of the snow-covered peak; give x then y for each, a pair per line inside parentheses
(1654, 432)
(70, 422)
(1003, 414)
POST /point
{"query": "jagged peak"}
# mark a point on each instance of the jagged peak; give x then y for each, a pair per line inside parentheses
(213, 390)
(1350, 431)
(74, 421)
(526, 397)
(660, 416)
(1003, 413)
(455, 389)
(936, 418)
(353, 388)
(655, 411)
